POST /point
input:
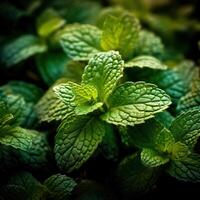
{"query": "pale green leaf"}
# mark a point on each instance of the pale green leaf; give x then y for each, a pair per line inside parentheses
(152, 158)
(104, 71)
(120, 33)
(80, 42)
(81, 97)
(76, 141)
(146, 61)
(48, 22)
(178, 151)
(21, 49)
(187, 169)
(133, 103)
(59, 186)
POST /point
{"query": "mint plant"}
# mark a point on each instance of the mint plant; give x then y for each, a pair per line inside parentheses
(99, 99)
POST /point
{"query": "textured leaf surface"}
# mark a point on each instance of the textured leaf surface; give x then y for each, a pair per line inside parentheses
(152, 158)
(187, 169)
(20, 49)
(29, 146)
(146, 61)
(59, 186)
(30, 92)
(191, 99)
(51, 108)
(186, 127)
(24, 113)
(149, 44)
(80, 42)
(80, 97)
(151, 135)
(171, 81)
(120, 33)
(76, 141)
(133, 103)
(103, 72)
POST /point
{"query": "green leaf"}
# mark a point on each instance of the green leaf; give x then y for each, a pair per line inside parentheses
(149, 44)
(165, 118)
(120, 33)
(31, 147)
(20, 49)
(151, 135)
(24, 113)
(133, 103)
(104, 71)
(5, 117)
(30, 92)
(51, 108)
(82, 97)
(51, 66)
(134, 178)
(186, 127)
(187, 169)
(59, 186)
(80, 42)
(178, 151)
(146, 61)
(48, 22)
(76, 141)
(191, 99)
(171, 81)
(152, 158)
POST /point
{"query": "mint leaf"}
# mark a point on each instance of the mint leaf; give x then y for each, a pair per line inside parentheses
(83, 97)
(80, 42)
(187, 169)
(120, 33)
(191, 99)
(104, 71)
(30, 93)
(133, 103)
(146, 61)
(24, 113)
(28, 146)
(20, 49)
(186, 127)
(48, 22)
(152, 158)
(149, 44)
(59, 186)
(134, 178)
(76, 141)
(51, 108)
(151, 135)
